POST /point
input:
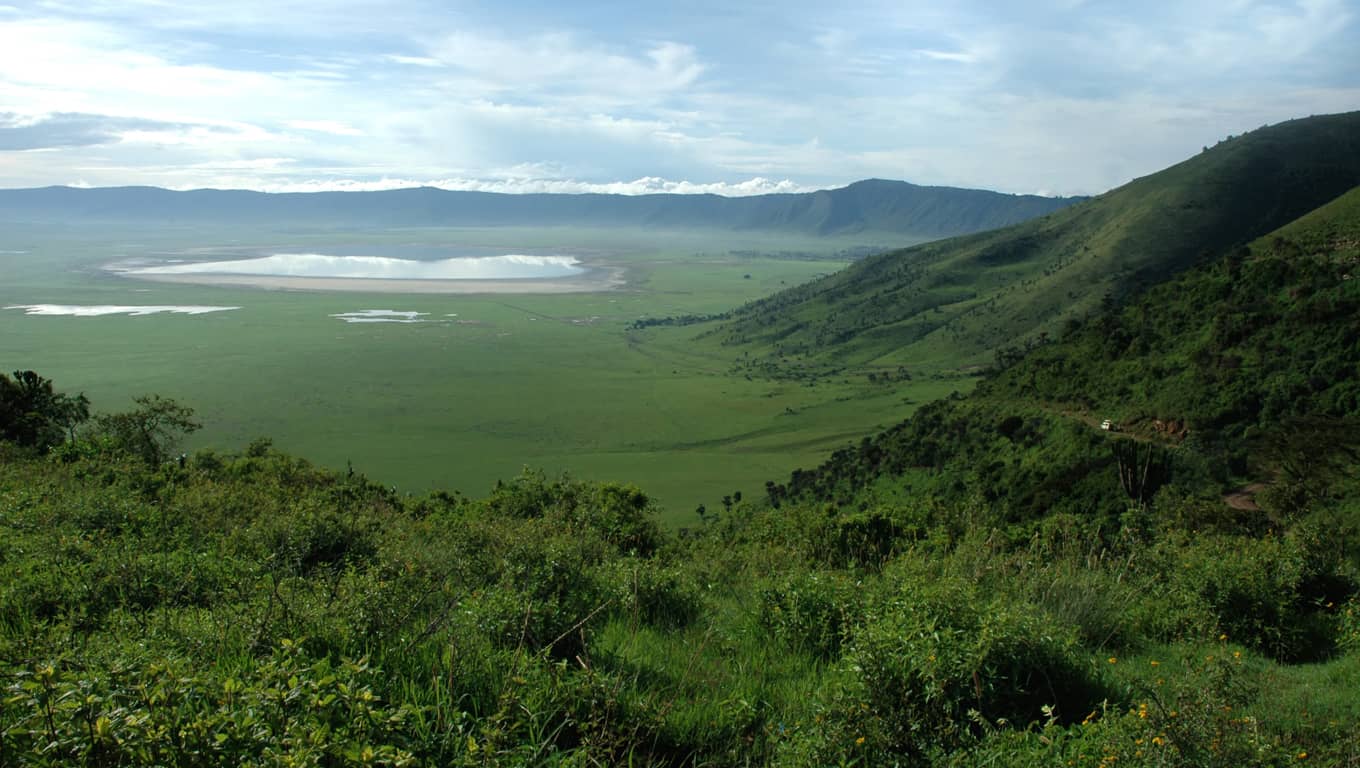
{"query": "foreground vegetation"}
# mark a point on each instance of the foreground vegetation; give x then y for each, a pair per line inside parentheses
(253, 609)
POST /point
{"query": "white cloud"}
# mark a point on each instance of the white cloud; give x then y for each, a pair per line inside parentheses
(833, 42)
(333, 127)
(60, 66)
(520, 185)
(257, 164)
(1064, 95)
(960, 57)
(558, 66)
(50, 131)
(1289, 35)
(415, 61)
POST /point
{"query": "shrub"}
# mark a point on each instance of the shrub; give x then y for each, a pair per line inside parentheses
(549, 586)
(662, 596)
(1093, 601)
(620, 514)
(1348, 631)
(934, 666)
(315, 536)
(811, 612)
(1259, 590)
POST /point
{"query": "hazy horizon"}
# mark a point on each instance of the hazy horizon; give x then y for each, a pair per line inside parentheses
(601, 189)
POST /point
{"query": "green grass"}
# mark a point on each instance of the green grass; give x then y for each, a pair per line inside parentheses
(1314, 703)
(548, 381)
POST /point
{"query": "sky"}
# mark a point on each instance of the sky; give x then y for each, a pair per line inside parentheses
(1050, 97)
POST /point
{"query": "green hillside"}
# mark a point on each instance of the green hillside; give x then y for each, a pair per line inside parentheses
(1245, 368)
(959, 300)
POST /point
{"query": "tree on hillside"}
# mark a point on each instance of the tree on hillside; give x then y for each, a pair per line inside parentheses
(72, 412)
(34, 414)
(1143, 468)
(1309, 455)
(150, 431)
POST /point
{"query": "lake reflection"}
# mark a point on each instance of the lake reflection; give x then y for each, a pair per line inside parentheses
(504, 267)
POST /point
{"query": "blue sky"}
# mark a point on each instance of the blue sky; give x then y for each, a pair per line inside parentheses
(1060, 97)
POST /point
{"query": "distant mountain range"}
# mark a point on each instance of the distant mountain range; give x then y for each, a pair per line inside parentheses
(875, 205)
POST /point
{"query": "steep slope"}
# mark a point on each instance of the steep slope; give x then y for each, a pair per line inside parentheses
(867, 206)
(1246, 367)
(960, 300)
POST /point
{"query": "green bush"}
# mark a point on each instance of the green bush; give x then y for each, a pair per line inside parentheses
(311, 537)
(620, 514)
(1095, 602)
(1348, 631)
(1259, 591)
(549, 587)
(662, 596)
(555, 624)
(935, 666)
(811, 612)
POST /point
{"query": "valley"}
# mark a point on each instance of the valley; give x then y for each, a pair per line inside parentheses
(482, 377)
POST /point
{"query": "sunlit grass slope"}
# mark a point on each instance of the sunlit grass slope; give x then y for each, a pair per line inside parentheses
(961, 299)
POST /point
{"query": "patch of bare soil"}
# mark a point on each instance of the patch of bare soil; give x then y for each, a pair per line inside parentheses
(1244, 498)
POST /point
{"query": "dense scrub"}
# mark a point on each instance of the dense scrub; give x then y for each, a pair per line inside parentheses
(253, 609)
(1245, 369)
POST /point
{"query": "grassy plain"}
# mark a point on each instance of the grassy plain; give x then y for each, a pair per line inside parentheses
(550, 381)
